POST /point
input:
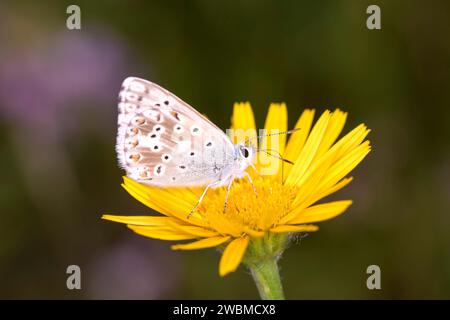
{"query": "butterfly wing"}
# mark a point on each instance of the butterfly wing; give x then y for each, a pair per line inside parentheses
(163, 141)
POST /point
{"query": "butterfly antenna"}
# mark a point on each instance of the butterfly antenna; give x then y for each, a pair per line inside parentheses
(278, 156)
(272, 134)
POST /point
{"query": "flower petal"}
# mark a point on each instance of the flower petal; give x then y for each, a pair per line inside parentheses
(161, 233)
(346, 164)
(320, 212)
(172, 202)
(232, 255)
(306, 156)
(276, 122)
(311, 183)
(201, 244)
(316, 196)
(194, 230)
(334, 128)
(288, 228)
(138, 220)
(243, 123)
(298, 138)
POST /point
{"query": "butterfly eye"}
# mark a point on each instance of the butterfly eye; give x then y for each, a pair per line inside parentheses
(245, 152)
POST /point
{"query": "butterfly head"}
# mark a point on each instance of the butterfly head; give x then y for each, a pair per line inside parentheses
(244, 155)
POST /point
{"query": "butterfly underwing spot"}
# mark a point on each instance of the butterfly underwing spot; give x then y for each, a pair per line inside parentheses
(158, 129)
(131, 143)
(176, 115)
(132, 131)
(156, 147)
(208, 144)
(153, 115)
(159, 170)
(129, 107)
(166, 157)
(144, 173)
(195, 130)
(133, 157)
(131, 96)
(162, 139)
(136, 86)
(178, 128)
(138, 121)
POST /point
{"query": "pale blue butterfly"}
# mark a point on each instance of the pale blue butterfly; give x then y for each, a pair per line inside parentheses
(162, 141)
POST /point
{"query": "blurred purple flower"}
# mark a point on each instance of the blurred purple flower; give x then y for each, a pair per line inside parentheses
(40, 84)
(133, 269)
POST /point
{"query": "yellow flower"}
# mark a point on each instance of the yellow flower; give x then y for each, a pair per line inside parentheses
(285, 202)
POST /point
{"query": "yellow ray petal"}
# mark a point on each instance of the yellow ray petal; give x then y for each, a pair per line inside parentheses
(301, 228)
(276, 122)
(308, 152)
(334, 128)
(298, 138)
(194, 230)
(201, 244)
(232, 255)
(138, 220)
(351, 140)
(170, 202)
(312, 177)
(254, 233)
(243, 123)
(346, 164)
(320, 212)
(311, 181)
(161, 233)
(318, 195)
(223, 225)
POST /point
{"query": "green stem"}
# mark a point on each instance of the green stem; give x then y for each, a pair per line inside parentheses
(262, 259)
(267, 279)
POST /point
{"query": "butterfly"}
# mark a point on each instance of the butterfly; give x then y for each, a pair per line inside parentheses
(162, 141)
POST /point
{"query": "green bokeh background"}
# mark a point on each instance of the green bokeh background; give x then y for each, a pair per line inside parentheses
(309, 54)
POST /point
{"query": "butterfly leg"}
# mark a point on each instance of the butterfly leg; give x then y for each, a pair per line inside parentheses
(225, 205)
(251, 182)
(254, 168)
(212, 184)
